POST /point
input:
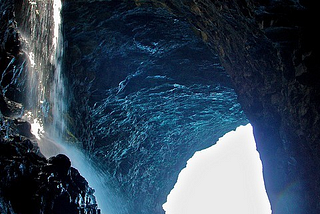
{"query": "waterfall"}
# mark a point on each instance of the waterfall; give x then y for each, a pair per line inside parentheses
(46, 95)
(57, 95)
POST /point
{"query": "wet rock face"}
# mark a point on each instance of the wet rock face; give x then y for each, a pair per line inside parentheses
(270, 48)
(11, 59)
(151, 93)
(31, 184)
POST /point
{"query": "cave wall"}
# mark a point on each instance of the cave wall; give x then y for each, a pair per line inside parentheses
(10, 60)
(146, 94)
(271, 52)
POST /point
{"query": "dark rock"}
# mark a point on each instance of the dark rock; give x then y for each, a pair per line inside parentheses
(11, 59)
(4, 107)
(61, 164)
(11, 108)
(31, 184)
(23, 128)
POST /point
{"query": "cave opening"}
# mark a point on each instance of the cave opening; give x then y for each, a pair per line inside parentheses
(224, 178)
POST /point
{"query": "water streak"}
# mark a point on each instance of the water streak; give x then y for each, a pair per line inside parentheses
(57, 94)
(47, 95)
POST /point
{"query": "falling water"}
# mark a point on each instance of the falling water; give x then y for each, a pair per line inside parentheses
(57, 98)
(46, 98)
(57, 94)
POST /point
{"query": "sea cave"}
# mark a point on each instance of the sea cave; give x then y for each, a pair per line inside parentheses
(103, 102)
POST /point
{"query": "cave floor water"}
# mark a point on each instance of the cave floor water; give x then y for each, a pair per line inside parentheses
(225, 178)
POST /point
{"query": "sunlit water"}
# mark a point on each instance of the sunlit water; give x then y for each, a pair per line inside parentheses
(96, 178)
(53, 146)
(50, 140)
(224, 179)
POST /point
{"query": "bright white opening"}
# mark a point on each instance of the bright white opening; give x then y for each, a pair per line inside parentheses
(223, 179)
